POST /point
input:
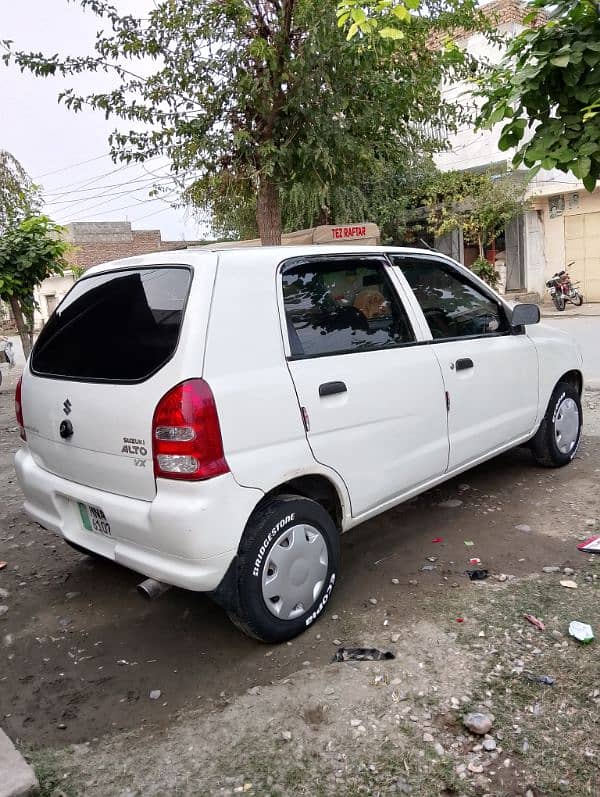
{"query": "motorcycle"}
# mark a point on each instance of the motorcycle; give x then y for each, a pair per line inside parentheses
(7, 354)
(562, 290)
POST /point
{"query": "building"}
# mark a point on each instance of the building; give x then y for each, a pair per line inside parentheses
(563, 224)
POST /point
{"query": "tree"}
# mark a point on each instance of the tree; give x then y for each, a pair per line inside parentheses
(248, 98)
(383, 193)
(30, 251)
(547, 90)
(19, 197)
(481, 204)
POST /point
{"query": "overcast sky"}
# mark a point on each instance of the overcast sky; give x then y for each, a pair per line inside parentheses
(67, 153)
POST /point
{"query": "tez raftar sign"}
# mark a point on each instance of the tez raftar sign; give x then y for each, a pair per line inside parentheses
(339, 233)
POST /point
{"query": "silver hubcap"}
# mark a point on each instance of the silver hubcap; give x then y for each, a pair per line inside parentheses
(566, 426)
(294, 572)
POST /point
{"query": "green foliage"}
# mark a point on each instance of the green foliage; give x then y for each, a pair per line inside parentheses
(30, 252)
(265, 98)
(384, 193)
(486, 271)
(481, 204)
(392, 19)
(19, 197)
(546, 91)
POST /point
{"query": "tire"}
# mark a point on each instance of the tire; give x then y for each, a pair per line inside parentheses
(577, 300)
(557, 440)
(285, 522)
(559, 302)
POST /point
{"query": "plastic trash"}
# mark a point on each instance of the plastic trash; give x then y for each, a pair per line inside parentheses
(581, 631)
(591, 545)
(478, 575)
(469, 543)
(569, 584)
(475, 561)
(437, 539)
(362, 654)
(535, 621)
(2, 565)
(546, 680)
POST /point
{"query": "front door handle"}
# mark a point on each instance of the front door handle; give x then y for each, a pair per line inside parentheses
(462, 365)
(331, 388)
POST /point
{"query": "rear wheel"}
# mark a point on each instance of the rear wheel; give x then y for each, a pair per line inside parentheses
(577, 300)
(557, 440)
(287, 568)
(559, 301)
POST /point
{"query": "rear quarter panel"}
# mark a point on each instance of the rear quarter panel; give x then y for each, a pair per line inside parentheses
(558, 353)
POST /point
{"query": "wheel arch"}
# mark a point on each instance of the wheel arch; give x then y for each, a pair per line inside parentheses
(315, 486)
(574, 378)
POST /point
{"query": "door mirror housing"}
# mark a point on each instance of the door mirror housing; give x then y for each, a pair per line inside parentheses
(524, 314)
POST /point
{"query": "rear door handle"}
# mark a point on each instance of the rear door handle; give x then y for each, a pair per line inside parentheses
(462, 365)
(331, 388)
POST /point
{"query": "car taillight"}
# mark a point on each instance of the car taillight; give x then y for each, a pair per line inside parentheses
(186, 435)
(19, 410)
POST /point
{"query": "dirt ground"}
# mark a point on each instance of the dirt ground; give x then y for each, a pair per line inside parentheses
(82, 650)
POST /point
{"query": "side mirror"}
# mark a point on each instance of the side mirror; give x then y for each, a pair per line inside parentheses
(525, 314)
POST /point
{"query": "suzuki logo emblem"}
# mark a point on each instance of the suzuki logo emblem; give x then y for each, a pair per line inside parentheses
(67, 407)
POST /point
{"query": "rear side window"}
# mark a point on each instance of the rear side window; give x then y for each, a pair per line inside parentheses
(341, 306)
(120, 326)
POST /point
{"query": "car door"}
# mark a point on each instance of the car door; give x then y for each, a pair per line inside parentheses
(490, 373)
(373, 399)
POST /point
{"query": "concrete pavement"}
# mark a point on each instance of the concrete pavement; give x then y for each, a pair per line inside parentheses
(17, 777)
(585, 311)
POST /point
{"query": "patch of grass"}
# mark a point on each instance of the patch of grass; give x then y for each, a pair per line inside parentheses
(48, 772)
(549, 732)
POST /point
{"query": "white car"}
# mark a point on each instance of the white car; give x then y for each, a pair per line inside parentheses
(215, 419)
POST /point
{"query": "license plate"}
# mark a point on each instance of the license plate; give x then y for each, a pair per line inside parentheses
(94, 519)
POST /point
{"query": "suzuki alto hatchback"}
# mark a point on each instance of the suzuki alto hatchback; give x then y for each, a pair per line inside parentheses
(216, 419)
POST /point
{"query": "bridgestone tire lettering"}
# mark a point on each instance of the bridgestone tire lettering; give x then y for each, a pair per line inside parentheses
(322, 603)
(279, 526)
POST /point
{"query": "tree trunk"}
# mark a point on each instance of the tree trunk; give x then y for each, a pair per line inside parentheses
(480, 245)
(268, 212)
(22, 329)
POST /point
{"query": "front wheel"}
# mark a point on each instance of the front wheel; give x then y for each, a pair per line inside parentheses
(559, 301)
(287, 568)
(557, 440)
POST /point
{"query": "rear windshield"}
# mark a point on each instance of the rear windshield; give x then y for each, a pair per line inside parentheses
(121, 326)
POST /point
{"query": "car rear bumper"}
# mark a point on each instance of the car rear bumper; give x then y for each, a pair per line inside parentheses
(186, 536)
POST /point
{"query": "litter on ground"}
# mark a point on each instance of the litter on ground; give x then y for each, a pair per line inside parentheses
(592, 545)
(362, 654)
(581, 631)
(535, 621)
(478, 575)
(547, 680)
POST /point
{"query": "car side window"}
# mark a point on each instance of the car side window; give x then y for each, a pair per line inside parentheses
(453, 307)
(336, 306)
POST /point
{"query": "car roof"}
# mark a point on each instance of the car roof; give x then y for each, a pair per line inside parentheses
(274, 254)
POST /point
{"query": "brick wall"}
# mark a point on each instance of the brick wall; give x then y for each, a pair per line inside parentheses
(98, 242)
